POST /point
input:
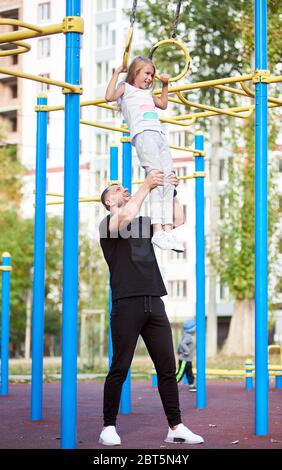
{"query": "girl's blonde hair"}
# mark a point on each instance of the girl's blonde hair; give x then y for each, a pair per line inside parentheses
(136, 65)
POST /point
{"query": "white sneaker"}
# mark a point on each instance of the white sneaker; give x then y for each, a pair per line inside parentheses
(183, 435)
(162, 240)
(176, 245)
(109, 437)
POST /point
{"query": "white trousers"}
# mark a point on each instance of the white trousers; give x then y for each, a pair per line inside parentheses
(154, 154)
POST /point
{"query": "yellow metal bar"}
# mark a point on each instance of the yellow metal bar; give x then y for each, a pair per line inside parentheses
(179, 123)
(251, 94)
(212, 108)
(81, 199)
(12, 22)
(274, 79)
(230, 89)
(104, 126)
(22, 48)
(206, 84)
(98, 102)
(6, 268)
(29, 33)
(186, 149)
(53, 194)
(38, 78)
(109, 183)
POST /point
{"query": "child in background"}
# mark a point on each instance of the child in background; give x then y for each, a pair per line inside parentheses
(138, 106)
(186, 353)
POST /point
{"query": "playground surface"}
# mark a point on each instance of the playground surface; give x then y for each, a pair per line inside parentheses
(226, 423)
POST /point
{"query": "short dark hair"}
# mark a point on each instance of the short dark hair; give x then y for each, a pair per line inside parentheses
(103, 197)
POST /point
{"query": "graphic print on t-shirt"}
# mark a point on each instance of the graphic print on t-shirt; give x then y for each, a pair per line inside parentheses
(148, 111)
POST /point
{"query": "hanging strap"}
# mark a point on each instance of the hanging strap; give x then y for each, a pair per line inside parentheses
(176, 19)
(133, 13)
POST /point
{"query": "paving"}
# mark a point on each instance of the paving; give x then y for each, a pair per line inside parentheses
(226, 423)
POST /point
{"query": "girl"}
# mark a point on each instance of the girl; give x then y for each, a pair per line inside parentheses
(138, 106)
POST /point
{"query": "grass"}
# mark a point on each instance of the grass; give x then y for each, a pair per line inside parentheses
(141, 365)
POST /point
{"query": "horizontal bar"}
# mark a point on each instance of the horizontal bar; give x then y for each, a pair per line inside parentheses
(38, 78)
(29, 34)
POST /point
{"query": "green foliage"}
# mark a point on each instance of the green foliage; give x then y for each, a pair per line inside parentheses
(16, 237)
(234, 257)
(220, 39)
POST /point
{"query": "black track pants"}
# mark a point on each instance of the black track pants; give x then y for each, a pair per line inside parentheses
(129, 318)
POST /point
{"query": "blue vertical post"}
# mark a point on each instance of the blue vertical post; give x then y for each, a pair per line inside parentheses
(39, 262)
(261, 224)
(5, 324)
(70, 244)
(125, 403)
(113, 177)
(200, 276)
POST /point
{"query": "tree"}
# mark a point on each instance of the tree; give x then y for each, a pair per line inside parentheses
(220, 41)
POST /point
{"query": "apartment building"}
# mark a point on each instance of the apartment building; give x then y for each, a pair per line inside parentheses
(10, 87)
(105, 29)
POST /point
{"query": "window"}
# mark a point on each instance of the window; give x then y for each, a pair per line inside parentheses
(221, 169)
(44, 11)
(14, 90)
(113, 34)
(14, 59)
(99, 72)
(280, 165)
(177, 257)
(44, 47)
(177, 289)
(99, 35)
(221, 207)
(14, 124)
(181, 171)
(44, 87)
(279, 285)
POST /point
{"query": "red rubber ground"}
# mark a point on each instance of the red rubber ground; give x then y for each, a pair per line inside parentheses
(226, 423)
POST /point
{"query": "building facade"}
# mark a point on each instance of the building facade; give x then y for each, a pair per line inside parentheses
(105, 30)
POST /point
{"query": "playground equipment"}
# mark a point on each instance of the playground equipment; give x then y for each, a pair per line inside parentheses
(72, 27)
(6, 269)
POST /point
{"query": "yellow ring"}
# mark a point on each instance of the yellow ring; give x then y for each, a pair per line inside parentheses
(180, 46)
(127, 48)
(23, 47)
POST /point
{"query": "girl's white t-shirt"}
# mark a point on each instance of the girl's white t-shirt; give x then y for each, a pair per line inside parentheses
(139, 110)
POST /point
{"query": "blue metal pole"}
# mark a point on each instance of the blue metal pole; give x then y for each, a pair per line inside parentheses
(125, 403)
(70, 248)
(113, 177)
(6, 271)
(39, 262)
(261, 224)
(200, 276)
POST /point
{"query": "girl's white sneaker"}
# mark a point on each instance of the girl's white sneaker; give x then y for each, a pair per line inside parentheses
(109, 437)
(183, 435)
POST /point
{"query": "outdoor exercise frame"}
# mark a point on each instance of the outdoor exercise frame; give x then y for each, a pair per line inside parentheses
(72, 27)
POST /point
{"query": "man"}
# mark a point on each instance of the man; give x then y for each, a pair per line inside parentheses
(137, 308)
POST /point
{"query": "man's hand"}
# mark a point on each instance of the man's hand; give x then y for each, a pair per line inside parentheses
(173, 179)
(155, 178)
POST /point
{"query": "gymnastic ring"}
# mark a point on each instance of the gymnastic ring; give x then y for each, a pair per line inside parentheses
(23, 47)
(180, 46)
(127, 48)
